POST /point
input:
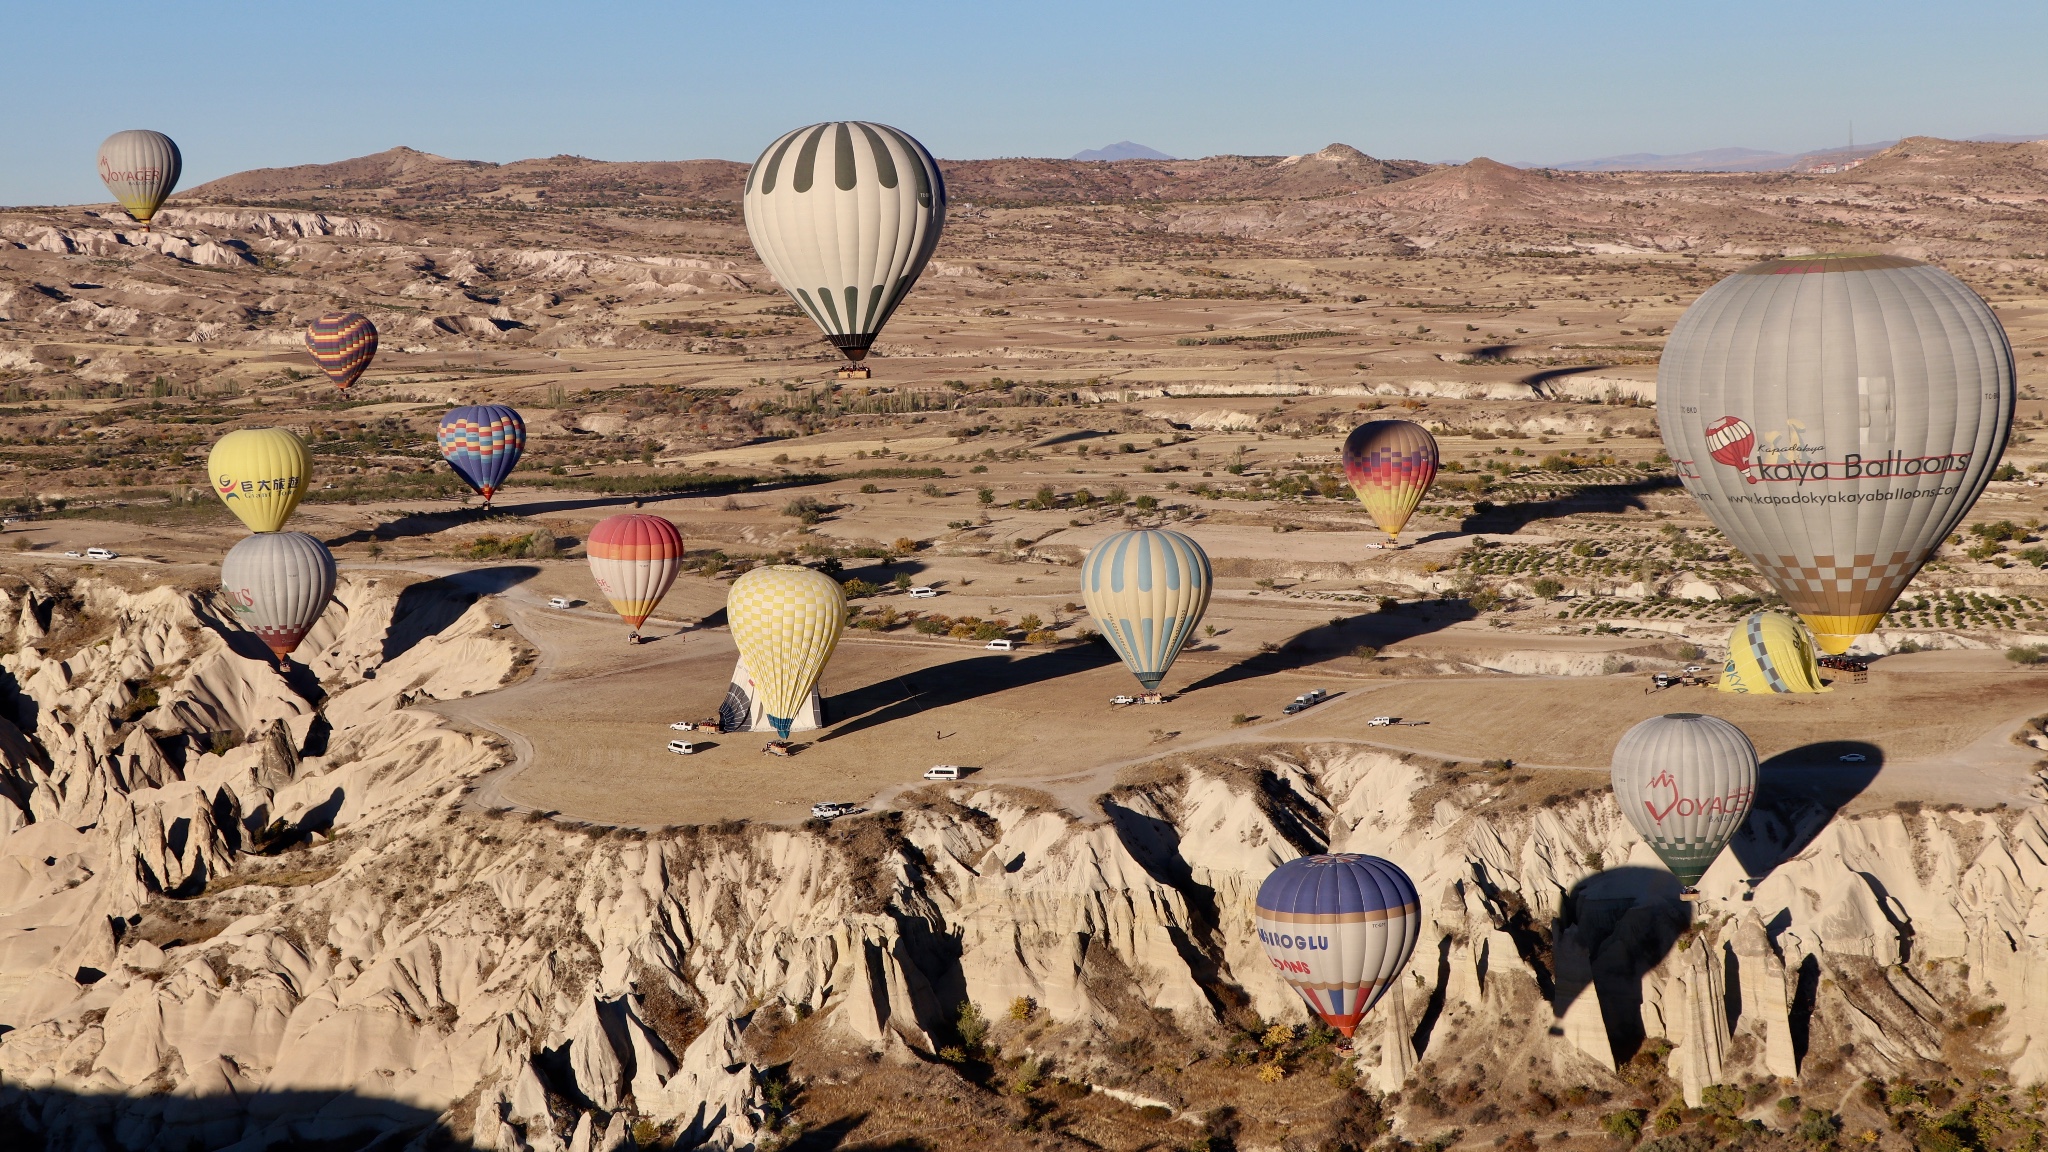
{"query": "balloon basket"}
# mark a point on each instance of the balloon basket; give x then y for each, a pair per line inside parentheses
(1689, 895)
(853, 372)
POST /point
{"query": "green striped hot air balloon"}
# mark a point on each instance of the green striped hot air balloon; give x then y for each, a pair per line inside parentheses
(1147, 590)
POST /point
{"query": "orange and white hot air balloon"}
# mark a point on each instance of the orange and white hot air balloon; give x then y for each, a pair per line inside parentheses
(634, 558)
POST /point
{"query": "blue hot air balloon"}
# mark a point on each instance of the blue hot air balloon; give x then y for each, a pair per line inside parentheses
(482, 442)
(1147, 590)
(1339, 929)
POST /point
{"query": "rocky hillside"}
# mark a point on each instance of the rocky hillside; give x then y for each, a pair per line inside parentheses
(240, 908)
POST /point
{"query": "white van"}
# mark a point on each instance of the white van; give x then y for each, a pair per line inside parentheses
(923, 592)
(101, 554)
(1001, 646)
(682, 747)
(558, 601)
(942, 772)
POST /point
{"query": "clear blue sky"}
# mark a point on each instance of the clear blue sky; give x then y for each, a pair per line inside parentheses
(245, 85)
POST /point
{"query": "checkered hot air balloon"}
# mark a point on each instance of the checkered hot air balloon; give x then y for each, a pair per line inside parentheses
(786, 620)
(634, 558)
(1338, 929)
(482, 442)
(1685, 781)
(343, 344)
(1390, 464)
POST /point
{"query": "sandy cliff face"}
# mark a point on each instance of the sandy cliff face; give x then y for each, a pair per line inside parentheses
(236, 909)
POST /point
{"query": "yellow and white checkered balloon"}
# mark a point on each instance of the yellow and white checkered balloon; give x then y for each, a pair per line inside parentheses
(786, 620)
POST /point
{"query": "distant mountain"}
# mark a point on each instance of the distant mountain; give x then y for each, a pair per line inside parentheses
(1121, 150)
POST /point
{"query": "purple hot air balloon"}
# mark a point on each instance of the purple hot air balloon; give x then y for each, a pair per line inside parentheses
(1339, 929)
(482, 442)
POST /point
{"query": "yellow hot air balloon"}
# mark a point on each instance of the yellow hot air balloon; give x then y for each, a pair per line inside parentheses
(786, 620)
(260, 473)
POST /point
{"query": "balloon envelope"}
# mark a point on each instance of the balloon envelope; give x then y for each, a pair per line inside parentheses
(1685, 781)
(278, 584)
(1339, 929)
(634, 558)
(140, 168)
(1836, 416)
(786, 620)
(343, 344)
(1770, 652)
(260, 474)
(845, 214)
(482, 442)
(1390, 464)
(1147, 590)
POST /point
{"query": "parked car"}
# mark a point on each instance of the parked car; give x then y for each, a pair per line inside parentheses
(101, 554)
(682, 747)
(923, 592)
(830, 811)
(558, 601)
(1001, 646)
(1291, 709)
(684, 726)
(1852, 757)
(1380, 721)
(499, 626)
(71, 555)
(1312, 696)
(942, 772)
(1123, 699)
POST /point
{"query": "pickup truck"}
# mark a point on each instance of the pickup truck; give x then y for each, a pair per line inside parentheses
(831, 811)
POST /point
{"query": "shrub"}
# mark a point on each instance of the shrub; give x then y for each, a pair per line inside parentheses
(1365, 652)
(1042, 636)
(806, 509)
(870, 488)
(1546, 588)
(2027, 654)
(904, 546)
(857, 588)
(902, 581)
(1483, 600)
(932, 626)
(1271, 1072)
(1625, 1125)
(989, 630)
(973, 1026)
(1818, 1128)
(1022, 1008)
(1146, 503)
(985, 495)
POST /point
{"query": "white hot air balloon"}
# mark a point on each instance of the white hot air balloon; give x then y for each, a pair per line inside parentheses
(1147, 590)
(845, 214)
(140, 168)
(279, 584)
(1686, 782)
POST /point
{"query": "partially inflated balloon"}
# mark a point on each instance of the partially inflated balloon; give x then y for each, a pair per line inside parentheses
(1147, 590)
(1836, 416)
(1390, 464)
(844, 215)
(1770, 652)
(786, 620)
(260, 474)
(278, 584)
(140, 168)
(482, 442)
(343, 344)
(1338, 930)
(634, 558)
(1685, 781)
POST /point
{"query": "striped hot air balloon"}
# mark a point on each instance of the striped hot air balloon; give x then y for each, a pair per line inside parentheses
(786, 620)
(1147, 590)
(140, 168)
(278, 584)
(260, 474)
(1390, 464)
(634, 558)
(1770, 652)
(845, 215)
(1339, 929)
(482, 442)
(1685, 781)
(343, 344)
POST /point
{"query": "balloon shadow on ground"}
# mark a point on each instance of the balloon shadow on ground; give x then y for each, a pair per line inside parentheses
(430, 606)
(1612, 928)
(900, 697)
(1506, 519)
(32, 1119)
(437, 520)
(1798, 792)
(1326, 641)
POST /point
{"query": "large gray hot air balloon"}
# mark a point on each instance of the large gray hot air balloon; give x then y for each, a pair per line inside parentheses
(845, 214)
(278, 583)
(140, 168)
(1836, 416)
(1685, 781)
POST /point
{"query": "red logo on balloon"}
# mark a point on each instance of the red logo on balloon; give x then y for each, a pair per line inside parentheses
(1730, 441)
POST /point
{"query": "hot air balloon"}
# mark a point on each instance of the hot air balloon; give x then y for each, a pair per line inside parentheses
(1147, 590)
(845, 214)
(1390, 464)
(1770, 652)
(278, 584)
(140, 168)
(1685, 781)
(1836, 416)
(482, 442)
(786, 620)
(1339, 929)
(343, 343)
(260, 474)
(634, 558)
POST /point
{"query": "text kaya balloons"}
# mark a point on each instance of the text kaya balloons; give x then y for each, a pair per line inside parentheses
(634, 558)
(140, 168)
(343, 344)
(1685, 781)
(786, 620)
(1339, 929)
(1147, 590)
(279, 584)
(482, 442)
(845, 215)
(1836, 416)
(1390, 464)
(260, 474)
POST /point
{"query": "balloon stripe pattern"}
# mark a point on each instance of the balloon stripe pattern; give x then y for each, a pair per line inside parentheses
(343, 344)
(1147, 590)
(1390, 464)
(260, 474)
(1769, 652)
(278, 584)
(1836, 416)
(786, 620)
(483, 442)
(1685, 782)
(845, 215)
(140, 168)
(1339, 929)
(634, 559)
